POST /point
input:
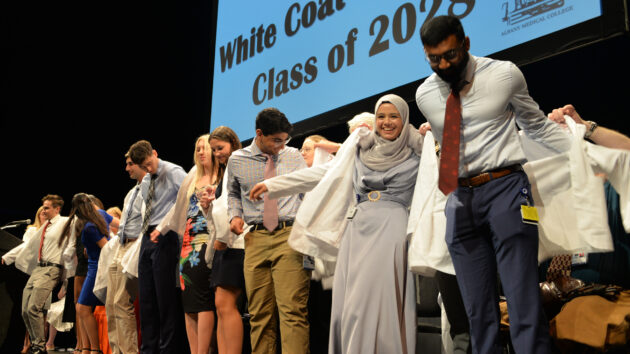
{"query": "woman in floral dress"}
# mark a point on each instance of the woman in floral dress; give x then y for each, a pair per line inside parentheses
(188, 220)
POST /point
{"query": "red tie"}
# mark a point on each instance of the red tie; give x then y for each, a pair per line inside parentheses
(449, 160)
(41, 242)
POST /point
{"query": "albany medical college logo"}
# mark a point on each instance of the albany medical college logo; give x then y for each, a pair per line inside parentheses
(517, 11)
(526, 14)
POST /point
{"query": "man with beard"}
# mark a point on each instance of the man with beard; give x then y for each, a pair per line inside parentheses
(472, 104)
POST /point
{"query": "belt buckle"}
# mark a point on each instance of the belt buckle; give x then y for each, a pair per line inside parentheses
(465, 182)
(377, 196)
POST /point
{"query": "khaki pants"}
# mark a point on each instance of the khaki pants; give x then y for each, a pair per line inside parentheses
(36, 292)
(275, 277)
(121, 318)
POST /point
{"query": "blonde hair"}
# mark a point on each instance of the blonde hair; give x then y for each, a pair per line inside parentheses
(36, 223)
(114, 211)
(315, 138)
(214, 165)
(365, 117)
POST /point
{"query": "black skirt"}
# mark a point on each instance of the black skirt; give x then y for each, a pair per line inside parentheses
(82, 261)
(69, 312)
(227, 268)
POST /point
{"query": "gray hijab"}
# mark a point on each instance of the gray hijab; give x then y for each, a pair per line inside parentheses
(380, 154)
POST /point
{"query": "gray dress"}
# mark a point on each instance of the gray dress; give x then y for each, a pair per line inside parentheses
(374, 304)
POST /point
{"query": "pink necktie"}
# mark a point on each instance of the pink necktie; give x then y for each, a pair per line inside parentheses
(449, 158)
(270, 211)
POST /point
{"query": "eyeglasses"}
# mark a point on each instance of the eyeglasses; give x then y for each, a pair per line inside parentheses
(279, 141)
(449, 55)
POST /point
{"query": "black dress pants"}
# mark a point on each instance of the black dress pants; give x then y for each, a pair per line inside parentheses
(161, 314)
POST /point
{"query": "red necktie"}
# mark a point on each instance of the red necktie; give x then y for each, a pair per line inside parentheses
(270, 209)
(449, 160)
(41, 242)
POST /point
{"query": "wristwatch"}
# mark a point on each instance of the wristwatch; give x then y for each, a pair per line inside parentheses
(590, 131)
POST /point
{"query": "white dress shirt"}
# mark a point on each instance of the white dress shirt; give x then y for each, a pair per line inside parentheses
(27, 258)
(51, 250)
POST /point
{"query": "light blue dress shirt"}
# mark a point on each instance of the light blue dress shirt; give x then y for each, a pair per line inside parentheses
(131, 218)
(169, 177)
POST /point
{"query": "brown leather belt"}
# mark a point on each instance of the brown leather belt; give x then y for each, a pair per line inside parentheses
(486, 177)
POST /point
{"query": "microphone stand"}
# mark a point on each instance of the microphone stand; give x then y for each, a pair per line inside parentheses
(9, 226)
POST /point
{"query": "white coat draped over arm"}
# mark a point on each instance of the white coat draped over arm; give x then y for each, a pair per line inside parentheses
(25, 254)
(130, 260)
(10, 256)
(108, 252)
(427, 222)
(569, 198)
(219, 216)
(321, 219)
(615, 164)
(176, 218)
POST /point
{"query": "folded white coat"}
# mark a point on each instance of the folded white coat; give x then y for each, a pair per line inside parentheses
(569, 198)
(427, 222)
(108, 252)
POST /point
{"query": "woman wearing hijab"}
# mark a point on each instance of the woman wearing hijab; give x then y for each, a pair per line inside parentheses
(373, 306)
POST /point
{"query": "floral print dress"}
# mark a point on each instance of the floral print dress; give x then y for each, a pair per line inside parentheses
(196, 236)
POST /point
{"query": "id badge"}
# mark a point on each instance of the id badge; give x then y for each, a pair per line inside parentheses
(579, 258)
(529, 214)
(308, 262)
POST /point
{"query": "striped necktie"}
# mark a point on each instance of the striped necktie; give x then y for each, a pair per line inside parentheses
(149, 205)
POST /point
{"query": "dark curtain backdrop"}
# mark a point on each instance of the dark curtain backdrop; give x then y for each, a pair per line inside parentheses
(82, 81)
